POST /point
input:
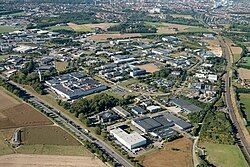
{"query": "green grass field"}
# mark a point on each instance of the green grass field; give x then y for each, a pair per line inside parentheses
(4, 29)
(129, 82)
(165, 28)
(247, 61)
(222, 155)
(54, 28)
(197, 29)
(245, 100)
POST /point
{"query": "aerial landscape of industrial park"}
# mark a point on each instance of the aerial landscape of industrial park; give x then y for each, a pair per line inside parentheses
(124, 83)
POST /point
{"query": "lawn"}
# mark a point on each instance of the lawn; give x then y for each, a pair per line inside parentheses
(4, 29)
(61, 66)
(245, 99)
(7, 99)
(222, 155)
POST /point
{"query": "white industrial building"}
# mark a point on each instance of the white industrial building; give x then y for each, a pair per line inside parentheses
(131, 141)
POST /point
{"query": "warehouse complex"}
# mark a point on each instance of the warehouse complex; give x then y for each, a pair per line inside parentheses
(74, 85)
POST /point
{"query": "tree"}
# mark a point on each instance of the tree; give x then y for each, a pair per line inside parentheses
(98, 130)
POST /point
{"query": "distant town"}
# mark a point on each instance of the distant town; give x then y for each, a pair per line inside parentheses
(125, 83)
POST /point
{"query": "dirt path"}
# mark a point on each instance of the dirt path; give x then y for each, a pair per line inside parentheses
(21, 160)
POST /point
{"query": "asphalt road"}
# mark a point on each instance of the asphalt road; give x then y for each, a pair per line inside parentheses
(242, 142)
(78, 130)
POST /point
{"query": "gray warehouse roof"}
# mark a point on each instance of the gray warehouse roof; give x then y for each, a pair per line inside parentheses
(186, 105)
(163, 121)
(178, 121)
(147, 123)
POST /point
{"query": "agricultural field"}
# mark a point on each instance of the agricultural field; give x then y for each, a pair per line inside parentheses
(236, 51)
(42, 149)
(151, 68)
(105, 37)
(4, 29)
(21, 115)
(49, 160)
(222, 155)
(6, 100)
(50, 140)
(244, 73)
(38, 135)
(245, 99)
(51, 135)
(177, 153)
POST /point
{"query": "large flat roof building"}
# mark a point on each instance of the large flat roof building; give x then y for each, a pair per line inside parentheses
(130, 140)
(180, 123)
(146, 124)
(185, 105)
(74, 85)
(122, 112)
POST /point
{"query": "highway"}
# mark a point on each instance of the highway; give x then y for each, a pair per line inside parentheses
(242, 141)
(70, 124)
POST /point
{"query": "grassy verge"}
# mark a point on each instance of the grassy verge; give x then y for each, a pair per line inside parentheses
(4, 147)
(245, 100)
